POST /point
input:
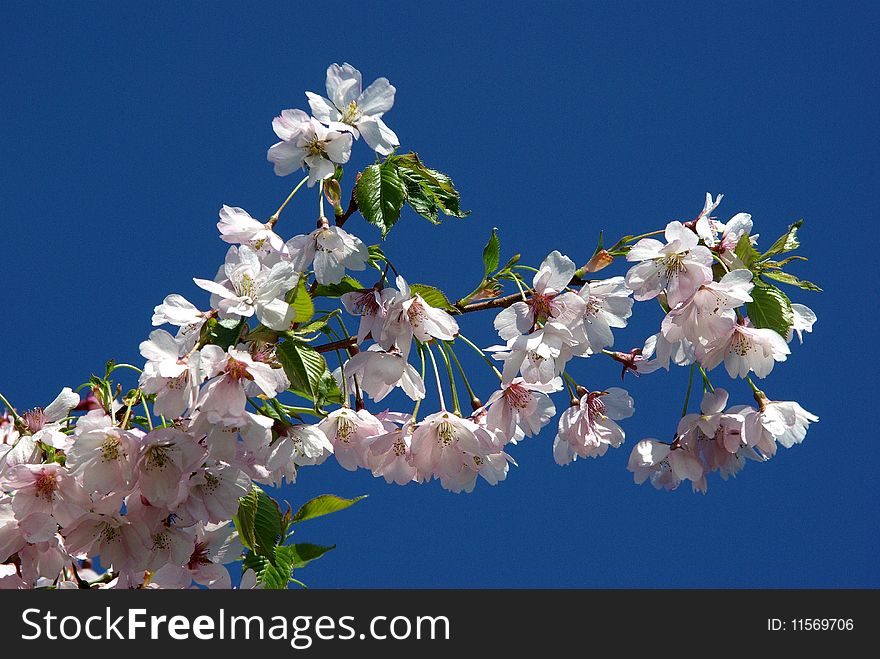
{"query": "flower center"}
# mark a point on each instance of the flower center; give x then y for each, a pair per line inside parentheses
(45, 485)
(351, 114)
(416, 313)
(161, 540)
(741, 344)
(541, 306)
(199, 556)
(595, 405)
(158, 457)
(34, 419)
(674, 264)
(517, 396)
(445, 434)
(111, 449)
(244, 286)
(399, 448)
(365, 304)
(315, 147)
(345, 428)
(237, 370)
(107, 532)
(212, 482)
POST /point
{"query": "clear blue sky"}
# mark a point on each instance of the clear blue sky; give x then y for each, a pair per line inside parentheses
(123, 130)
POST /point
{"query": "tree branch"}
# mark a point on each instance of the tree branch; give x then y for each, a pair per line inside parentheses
(496, 303)
(352, 207)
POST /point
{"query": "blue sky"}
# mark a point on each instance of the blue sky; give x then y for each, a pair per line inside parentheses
(123, 130)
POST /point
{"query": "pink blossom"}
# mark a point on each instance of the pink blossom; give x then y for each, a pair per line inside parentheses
(520, 409)
(678, 268)
(587, 429)
(744, 348)
(350, 433)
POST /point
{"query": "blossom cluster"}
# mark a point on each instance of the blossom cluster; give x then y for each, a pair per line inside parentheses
(152, 496)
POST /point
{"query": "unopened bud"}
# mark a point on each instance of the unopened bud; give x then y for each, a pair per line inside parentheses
(601, 259)
(332, 191)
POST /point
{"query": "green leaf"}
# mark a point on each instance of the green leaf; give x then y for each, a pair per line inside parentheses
(277, 574)
(419, 196)
(259, 522)
(347, 285)
(786, 242)
(433, 296)
(770, 308)
(431, 189)
(308, 373)
(746, 252)
(222, 333)
(787, 278)
(491, 253)
(300, 554)
(780, 264)
(380, 195)
(273, 575)
(301, 302)
(323, 504)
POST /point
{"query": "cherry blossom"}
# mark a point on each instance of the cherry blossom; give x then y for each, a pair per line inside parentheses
(390, 454)
(236, 226)
(308, 144)
(350, 433)
(587, 429)
(744, 348)
(548, 300)
(149, 479)
(44, 424)
(299, 445)
(804, 319)
(410, 316)
(177, 310)
(608, 305)
(678, 268)
(349, 108)
(520, 409)
(331, 251)
(244, 287)
(172, 373)
(377, 372)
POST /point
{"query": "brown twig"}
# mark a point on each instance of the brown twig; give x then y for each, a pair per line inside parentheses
(497, 303)
(352, 207)
(342, 344)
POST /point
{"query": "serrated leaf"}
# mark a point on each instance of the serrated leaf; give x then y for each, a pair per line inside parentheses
(347, 285)
(305, 368)
(786, 242)
(419, 197)
(315, 324)
(300, 554)
(491, 253)
(433, 296)
(301, 302)
(258, 521)
(380, 194)
(437, 191)
(270, 574)
(788, 278)
(783, 262)
(223, 333)
(323, 504)
(770, 308)
(746, 251)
